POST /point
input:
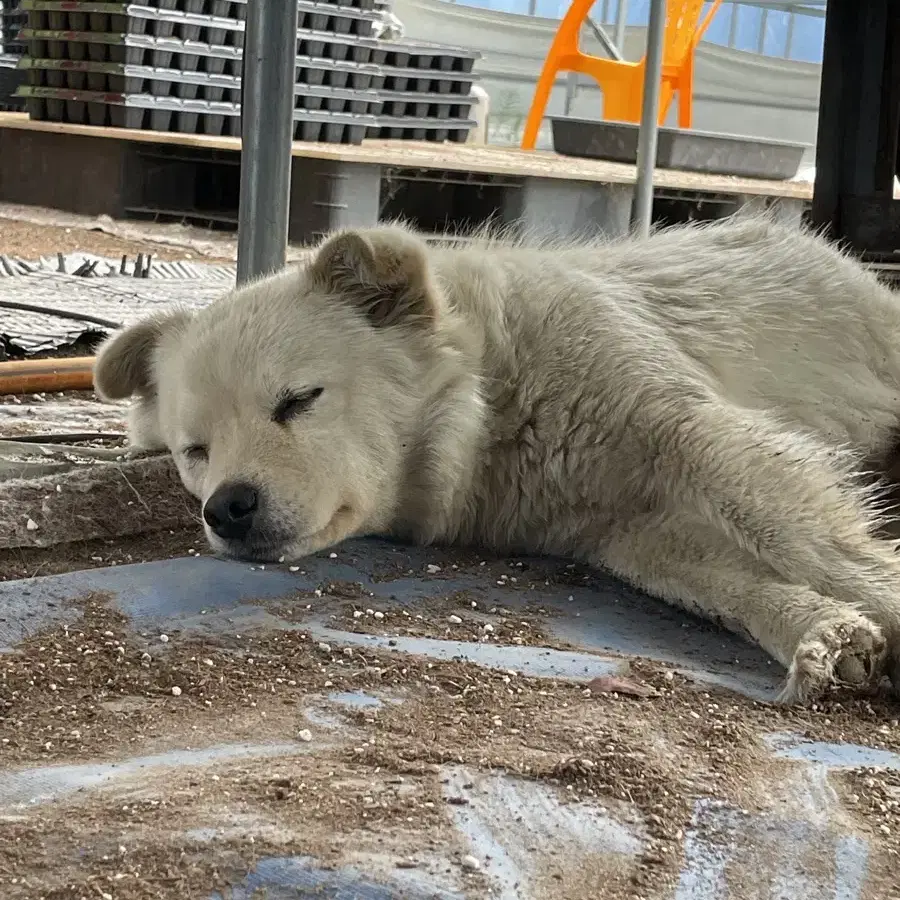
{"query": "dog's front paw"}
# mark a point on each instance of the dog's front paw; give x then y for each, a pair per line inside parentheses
(848, 649)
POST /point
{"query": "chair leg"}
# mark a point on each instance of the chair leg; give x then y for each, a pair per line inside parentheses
(539, 105)
(686, 93)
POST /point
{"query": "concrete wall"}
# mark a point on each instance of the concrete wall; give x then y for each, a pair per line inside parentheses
(735, 92)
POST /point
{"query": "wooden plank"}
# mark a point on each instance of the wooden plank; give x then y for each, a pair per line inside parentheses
(32, 376)
(474, 158)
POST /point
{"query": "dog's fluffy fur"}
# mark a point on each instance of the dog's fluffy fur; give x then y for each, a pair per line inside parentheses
(693, 412)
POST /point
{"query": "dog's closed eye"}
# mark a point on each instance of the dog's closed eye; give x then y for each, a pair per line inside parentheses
(295, 403)
(196, 453)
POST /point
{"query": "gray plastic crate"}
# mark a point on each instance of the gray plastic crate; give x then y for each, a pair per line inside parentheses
(427, 81)
(191, 56)
(187, 20)
(11, 23)
(337, 100)
(398, 104)
(11, 78)
(238, 8)
(145, 111)
(226, 9)
(363, 5)
(145, 63)
(171, 59)
(412, 129)
(332, 128)
(339, 47)
(229, 9)
(339, 73)
(124, 18)
(133, 49)
(126, 79)
(419, 55)
(336, 18)
(688, 150)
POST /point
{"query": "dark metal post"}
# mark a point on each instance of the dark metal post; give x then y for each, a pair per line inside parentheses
(642, 206)
(267, 110)
(859, 125)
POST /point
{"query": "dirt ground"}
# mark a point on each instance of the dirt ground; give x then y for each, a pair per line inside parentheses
(30, 241)
(98, 690)
(645, 744)
(31, 231)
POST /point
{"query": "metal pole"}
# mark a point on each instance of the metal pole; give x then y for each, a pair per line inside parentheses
(571, 90)
(621, 20)
(763, 27)
(789, 38)
(607, 42)
(642, 207)
(732, 27)
(267, 110)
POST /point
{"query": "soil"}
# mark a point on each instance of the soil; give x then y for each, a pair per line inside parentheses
(456, 616)
(31, 562)
(74, 396)
(98, 690)
(31, 241)
(43, 228)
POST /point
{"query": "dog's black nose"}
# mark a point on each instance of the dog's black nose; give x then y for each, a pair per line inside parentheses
(230, 510)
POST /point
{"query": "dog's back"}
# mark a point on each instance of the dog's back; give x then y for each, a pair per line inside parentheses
(770, 316)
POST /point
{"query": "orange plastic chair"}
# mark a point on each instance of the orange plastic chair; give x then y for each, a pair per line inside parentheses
(622, 83)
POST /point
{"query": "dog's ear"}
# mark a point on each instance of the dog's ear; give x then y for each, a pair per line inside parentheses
(384, 272)
(124, 363)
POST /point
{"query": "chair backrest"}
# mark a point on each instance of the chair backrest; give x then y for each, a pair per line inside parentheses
(682, 21)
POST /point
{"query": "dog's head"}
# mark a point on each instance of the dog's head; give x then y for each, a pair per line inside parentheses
(290, 405)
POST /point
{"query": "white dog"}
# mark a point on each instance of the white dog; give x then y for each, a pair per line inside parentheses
(695, 412)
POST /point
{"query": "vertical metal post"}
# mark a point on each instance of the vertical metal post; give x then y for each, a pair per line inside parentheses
(621, 21)
(761, 37)
(571, 90)
(267, 110)
(789, 38)
(733, 25)
(642, 206)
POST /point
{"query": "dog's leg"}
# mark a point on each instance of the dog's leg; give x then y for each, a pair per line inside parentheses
(818, 639)
(782, 496)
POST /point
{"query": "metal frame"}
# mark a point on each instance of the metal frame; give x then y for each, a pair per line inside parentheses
(642, 208)
(858, 146)
(267, 130)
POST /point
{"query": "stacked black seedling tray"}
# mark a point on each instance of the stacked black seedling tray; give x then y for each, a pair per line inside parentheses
(426, 93)
(175, 65)
(12, 20)
(11, 78)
